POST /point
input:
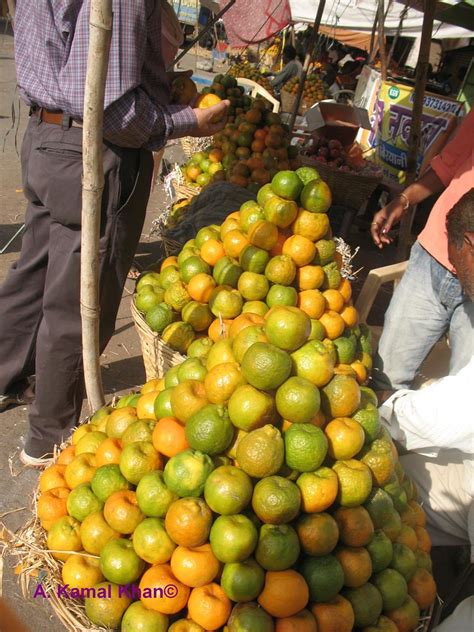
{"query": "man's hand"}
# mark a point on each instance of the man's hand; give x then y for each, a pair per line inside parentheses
(206, 125)
(384, 220)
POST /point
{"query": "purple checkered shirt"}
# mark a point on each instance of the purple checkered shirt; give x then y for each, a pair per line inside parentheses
(51, 41)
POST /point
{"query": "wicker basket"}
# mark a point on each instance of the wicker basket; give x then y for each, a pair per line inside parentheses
(157, 356)
(348, 189)
(191, 144)
(288, 101)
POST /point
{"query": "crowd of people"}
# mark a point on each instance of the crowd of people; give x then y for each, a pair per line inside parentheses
(39, 300)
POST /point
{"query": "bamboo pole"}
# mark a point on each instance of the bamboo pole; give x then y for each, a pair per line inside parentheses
(100, 34)
(416, 117)
(307, 61)
(381, 32)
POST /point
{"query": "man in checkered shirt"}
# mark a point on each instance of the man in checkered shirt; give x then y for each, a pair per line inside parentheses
(39, 301)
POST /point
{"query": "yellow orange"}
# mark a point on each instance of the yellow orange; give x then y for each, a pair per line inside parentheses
(209, 606)
(145, 405)
(80, 571)
(284, 594)
(195, 566)
(244, 320)
(333, 324)
(263, 234)
(109, 451)
(156, 384)
(52, 505)
(219, 328)
(53, 476)
(169, 261)
(169, 437)
(80, 470)
(211, 251)
(349, 315)
(300, 249)
(201, 286)
(157, 579)
(310, 277)
(121, 511)
(312, 303)
(66, 455)
(234, 242)
(334, 300)
(345, 289)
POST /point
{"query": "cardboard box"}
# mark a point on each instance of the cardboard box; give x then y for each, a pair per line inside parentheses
(336, 121)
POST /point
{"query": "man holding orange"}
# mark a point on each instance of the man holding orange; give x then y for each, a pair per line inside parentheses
(39, 300)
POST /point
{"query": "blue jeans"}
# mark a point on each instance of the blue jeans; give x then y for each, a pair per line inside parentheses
(427, 303)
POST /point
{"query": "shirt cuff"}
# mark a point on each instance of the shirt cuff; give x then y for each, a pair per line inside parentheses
(182, 119)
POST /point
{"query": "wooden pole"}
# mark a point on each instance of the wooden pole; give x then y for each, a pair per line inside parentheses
(100, 34)
(307, 61)
(415, 128)
(381, 32)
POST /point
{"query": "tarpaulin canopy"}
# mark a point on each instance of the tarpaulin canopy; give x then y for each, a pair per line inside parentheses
(256, 20)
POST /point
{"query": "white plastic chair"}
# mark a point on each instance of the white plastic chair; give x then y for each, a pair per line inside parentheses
(256, 89)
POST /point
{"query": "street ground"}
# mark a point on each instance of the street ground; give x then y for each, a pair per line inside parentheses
(122, 366)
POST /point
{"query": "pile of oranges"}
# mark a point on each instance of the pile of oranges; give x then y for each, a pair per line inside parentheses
(314, 88)
(252, 488)
(274, 251)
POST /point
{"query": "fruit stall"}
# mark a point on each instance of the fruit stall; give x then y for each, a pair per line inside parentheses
(250, 485)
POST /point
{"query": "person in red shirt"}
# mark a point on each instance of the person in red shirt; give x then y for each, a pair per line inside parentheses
(429, 300)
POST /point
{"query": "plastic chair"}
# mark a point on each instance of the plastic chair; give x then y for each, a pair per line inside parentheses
(256, 89)
(436, 364)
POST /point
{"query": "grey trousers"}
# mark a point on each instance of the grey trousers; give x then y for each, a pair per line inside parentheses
(40, 324)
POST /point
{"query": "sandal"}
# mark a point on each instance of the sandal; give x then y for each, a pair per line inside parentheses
(135, 271)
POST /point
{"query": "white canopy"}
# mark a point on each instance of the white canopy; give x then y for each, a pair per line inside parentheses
(359, 15)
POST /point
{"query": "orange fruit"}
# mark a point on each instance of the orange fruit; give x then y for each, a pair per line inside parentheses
(53, 476)
(188, 521)
(108, 452)
(318, 489)
(303, 621)
(341, 396)
(300, 249)
(333, 324)
(312, 225)
(80, 571)
(119, 420)
(121, 511)
(209, 606)
(107, 605)
(355, 525)
(420, 516)
(318, 533)
(407, 536)
(345, 437)
(169, 261)
(345, 289)
(80, 470)
(284, 594)
(360, 372)
(334, 616)
(64, 535)
(95, 533)
(157, 580)
(309, 277)
(278, 247)
(168, 436)
(186, 399)
(312, 302)
(243, 321)
(200, 287)
(422, 588)
(356, 564)
(222, 380)
(52, 505)
(334, 299)
(80, 431)
(66, 455)
(349, 315)
(263, 234)
(146, 405)
(195, 566)
(211, 251)
(406, 617)
(424, 540)
(234, 242)
(230, 223)
(219, 328)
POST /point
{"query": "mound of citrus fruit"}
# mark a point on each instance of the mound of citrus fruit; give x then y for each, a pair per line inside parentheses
(252, 488)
